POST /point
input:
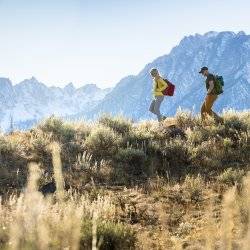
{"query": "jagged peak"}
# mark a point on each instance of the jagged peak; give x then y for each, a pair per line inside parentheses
(224, 33)
(211, 34)
(90, 87)
(69, 86)
(31, 83)
(29, 80)
(5, 80)
(5, 83)
(241, 33)
(33, 79)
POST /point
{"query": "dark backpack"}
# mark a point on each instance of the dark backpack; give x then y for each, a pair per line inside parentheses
(169, 91)
(218, 84)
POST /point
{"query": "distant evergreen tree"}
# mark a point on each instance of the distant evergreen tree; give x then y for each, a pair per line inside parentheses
(11, 128)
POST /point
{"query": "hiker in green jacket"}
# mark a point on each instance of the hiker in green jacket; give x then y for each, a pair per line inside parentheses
(158, 86)
(211, 97)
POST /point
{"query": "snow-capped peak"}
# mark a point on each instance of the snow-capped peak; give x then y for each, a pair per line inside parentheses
(31, 100)
(69, 88)
(211, 34)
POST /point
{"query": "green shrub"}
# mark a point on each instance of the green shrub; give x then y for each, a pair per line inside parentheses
(86, 171)
(184, 119)
(119, 124)
(212, 132)
(82, 131)
(13, 171)
(102, 143)
(175, 156)
(110, 235)
(207, 156)
(165, 132)
(245, 116)
(193, 187)
(197, 135)
(140, 136)
(131, 160)
(216, 131)
(39, 140)
(58, 129)
(231, 176)
(38, 148)
(132, 139)
(234, 122)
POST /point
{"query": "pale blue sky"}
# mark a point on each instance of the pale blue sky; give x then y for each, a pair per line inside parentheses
(91, 41)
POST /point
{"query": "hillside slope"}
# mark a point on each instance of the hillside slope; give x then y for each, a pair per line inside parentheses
(172, 185)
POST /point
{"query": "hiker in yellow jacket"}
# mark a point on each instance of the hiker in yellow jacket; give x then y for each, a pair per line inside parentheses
(158, 86)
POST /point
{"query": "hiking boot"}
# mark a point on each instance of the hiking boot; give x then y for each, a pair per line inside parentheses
(163, 118)
(221, 121)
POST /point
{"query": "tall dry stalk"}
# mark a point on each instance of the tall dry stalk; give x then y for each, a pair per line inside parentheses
(230, 224)
(177, 243)
(228, 209)
(26, 213)
(34, 176)
(57, 167)
(37, 222)
(246, 196)
(211, 229)
(94, 231)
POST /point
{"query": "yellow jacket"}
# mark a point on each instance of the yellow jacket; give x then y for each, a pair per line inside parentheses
(159, 86)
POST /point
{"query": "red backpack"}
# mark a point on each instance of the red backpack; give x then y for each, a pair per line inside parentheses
(169, 91)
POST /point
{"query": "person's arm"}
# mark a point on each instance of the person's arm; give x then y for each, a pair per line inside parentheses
(211, 87)
(161, 84)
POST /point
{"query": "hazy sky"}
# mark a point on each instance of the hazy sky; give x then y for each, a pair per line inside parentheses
(91, 41)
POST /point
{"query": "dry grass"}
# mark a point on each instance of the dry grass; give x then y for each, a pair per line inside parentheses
(32, 221)
(121, 185)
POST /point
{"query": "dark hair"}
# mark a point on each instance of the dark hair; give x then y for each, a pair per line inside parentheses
(153, 71)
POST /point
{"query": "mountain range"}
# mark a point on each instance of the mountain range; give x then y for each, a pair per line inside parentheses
(225, 53)
(29, 101)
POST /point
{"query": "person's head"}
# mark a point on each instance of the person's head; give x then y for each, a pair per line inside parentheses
(154, 72)
(204, 71)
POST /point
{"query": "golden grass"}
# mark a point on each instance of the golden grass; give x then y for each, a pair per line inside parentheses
(192, 195)
(32, 221)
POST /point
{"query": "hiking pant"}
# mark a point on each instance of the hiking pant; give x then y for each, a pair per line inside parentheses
(206, 108)
(155, 106)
